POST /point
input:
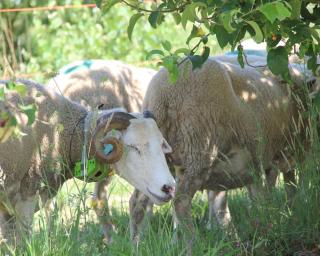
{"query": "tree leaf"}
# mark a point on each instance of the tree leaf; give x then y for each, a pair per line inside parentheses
(226, 19)
(185, 51)
(21, 89)
(205, 53)
(170, 63)
(153, 52)
(98, 3)
(283, 11)
(133, 20)
(189, 13)
(275, 10)
(240, 56)
(166, 45)
(30, 111)
(315, 34)
(312, 63)
(10, 85)
(177, 17)
(153, 17)
(106, 7)
(221, 34)
(277, 61)
(195, 32)
(258, 33)
(196, 61)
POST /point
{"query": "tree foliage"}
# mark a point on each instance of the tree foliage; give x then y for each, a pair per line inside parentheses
(295, 23)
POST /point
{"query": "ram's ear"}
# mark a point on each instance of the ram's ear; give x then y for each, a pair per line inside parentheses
(166, 147)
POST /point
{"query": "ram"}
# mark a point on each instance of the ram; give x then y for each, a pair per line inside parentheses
(103, 84)
(45, 156)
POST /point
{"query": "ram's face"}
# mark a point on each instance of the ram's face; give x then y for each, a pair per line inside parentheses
(138, 154)
(143, 163)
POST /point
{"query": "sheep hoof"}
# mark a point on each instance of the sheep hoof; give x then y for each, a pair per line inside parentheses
(209, 226)
(136, 241)
(107, 240)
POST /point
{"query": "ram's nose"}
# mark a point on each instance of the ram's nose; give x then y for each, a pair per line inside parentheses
(169, 190)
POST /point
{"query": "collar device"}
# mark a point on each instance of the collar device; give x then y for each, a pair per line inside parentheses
(94, 171)
(89, 170)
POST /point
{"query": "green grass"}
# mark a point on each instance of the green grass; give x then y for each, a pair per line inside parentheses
(266, 227)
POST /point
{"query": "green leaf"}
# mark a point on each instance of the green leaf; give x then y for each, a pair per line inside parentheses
(277, 61)
(226, 19)
(185, 51)
(315, 34)
(106, 7)
(153, 52)
(10, 85)
(195, 32)
(189, 13)
(2, 93)
(196, 61)
(21, 89)
(312, 63)
(177, 17)
(133, 20)
(221, 34)
(170, 63)
(275, 10)
(153, 17)
(30, 111)
(240, 56)
(98, 3)
(166, 45)
(283, 11)
(205, 53)
(258, 33)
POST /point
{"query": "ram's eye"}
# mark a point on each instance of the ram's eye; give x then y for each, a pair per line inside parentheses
(135, 148)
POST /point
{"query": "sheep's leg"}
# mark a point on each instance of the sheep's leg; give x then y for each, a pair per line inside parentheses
(24, 211)
(100, 204)
(6, 227)
(290, 184)
(187, 186)
(218, 208)
(139, 205)
(271, 177)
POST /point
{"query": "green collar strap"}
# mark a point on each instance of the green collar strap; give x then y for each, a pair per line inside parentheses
(95, 171)
(90, 170)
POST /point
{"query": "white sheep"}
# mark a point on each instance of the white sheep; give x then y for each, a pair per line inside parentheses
(103, 84)
(218, 206)
(45, 156)
(226, 125)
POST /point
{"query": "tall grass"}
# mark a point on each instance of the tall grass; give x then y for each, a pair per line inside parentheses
(267, 227)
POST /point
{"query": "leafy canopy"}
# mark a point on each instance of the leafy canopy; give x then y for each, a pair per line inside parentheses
(294, 22)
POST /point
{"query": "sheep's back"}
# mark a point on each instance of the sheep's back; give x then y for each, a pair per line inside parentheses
(111, 83)
(209, 109)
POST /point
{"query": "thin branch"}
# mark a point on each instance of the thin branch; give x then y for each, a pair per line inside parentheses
(193, 48)
(250, 65)
(148, 10)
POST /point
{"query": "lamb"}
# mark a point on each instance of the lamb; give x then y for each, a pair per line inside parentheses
(103, 84)
(222, 122)
(37, 164)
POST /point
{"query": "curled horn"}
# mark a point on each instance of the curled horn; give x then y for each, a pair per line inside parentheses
(148, 114)
(106, 123)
